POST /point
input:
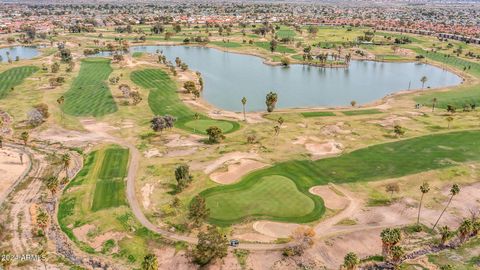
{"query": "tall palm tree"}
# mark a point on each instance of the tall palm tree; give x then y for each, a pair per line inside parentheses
(350, 261)
(244, 102)
(446, 234)
(434, 103)
(454, 190)
(424, 188)
(390, 237)
(424, 79)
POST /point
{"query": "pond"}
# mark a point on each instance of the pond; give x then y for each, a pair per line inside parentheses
(23, 52)
(230, 76)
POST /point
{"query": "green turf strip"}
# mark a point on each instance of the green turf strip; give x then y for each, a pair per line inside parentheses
(163, 99)
(89, 94)
(13, 77)
(383, 161)
(316, 114)
(361, 112)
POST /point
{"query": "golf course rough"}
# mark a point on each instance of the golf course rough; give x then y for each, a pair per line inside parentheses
(163, 99)
(234, 203)
(89, 94)
(13, 77)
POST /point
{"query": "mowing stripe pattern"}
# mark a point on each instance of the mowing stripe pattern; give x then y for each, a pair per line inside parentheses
(163, 99)
(89, 94)
(13, 77)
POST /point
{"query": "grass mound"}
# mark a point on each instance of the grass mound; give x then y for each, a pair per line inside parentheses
(317, 114)
(389, 160)
(361, 112)
(89, 94)
(163, 99)
(13, 77)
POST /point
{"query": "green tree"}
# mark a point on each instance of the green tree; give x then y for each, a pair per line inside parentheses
(391, 188)
(350, 261)
(424, 189)
(390, 237)
(273, 45)
(454, 190)
(244, 102)
(211, 245)
(397, 253)
(271, 100)
(465, 228)
(150, 262)
(198, 211)
(446, 234)
(398, 130)
(42, 219)
(55, 67)
(353, 103)
(449, 120)
(183, 176)
(215, 134)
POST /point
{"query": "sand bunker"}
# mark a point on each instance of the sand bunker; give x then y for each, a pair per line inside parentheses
(331, 130)
(10, 169)
(331, 198)
(81, 233)
(147, 190)
(233, 156)
(236, 171)
(275, 229)
(318, 148)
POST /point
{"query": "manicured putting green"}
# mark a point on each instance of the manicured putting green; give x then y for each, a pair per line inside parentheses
(203, 124)
(13, 77)
(377, 162)
(270, 193)
(89, 94)
(163, 99)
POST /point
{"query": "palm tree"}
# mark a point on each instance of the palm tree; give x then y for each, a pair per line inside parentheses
(424, 188)
(66, 160)
(150, 262)
(52, 184)
(24, 137)
(454, 190)
(397, 254)
(434, 103)
(424, 79)
(271, 100)
(42, 219)
(449, 120)
(350, 261)
(446, 234)
(244, 102)
(390, 237)
(465, 229)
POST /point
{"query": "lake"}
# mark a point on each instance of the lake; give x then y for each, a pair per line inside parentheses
(230, 76)
(23, 52)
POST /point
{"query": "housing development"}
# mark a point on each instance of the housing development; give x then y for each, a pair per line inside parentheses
(240, 134)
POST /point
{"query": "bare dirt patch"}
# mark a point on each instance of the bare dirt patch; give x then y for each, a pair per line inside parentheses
(81, 233)
(10, 168)
(336, 129)
(177, 140)
(236, 170)
(147, 190)
(150, 153)
(390, 121)
(181, 152)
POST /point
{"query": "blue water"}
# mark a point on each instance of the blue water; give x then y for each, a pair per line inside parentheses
(229, 76)
(22, 52)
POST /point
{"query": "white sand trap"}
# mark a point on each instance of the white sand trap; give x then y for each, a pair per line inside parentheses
(150, 153)
(147, 190)
(324, 149)
(275, 229)
(10, 169)
(233, 156)
(331, 198)
(236, 171)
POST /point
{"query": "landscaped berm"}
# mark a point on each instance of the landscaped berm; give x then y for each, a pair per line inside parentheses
(281, 192)
(90, 94)
(163, 99)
